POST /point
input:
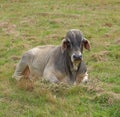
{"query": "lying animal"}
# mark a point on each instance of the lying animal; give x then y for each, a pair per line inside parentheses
(63, 63)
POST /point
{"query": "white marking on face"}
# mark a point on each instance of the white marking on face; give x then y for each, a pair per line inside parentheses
(76, 63)
(72, 57)
(78, 53)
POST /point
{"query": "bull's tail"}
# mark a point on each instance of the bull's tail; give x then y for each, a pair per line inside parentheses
(21, 69)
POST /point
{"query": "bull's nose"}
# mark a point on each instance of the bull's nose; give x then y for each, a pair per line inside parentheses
(77, 57)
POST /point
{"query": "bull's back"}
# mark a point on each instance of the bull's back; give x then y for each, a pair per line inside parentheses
(38, 58)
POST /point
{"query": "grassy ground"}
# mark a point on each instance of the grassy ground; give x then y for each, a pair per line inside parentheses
(25, 24)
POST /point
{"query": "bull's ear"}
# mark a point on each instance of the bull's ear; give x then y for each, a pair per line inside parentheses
(86, 44)
(64, 45)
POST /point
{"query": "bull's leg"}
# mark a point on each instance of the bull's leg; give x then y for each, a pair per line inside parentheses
(50, 76)
(85, 78)
(20, 68)
(82, 78)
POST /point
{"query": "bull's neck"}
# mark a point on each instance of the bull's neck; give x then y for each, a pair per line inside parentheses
(69, 67)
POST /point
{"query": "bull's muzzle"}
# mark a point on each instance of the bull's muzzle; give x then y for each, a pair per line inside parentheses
(76, 57)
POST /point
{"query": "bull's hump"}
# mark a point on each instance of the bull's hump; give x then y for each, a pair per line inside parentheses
(34, 50)
(46, 46)
(40, 49)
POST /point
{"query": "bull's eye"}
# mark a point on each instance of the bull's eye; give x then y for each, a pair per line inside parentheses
(68, 44)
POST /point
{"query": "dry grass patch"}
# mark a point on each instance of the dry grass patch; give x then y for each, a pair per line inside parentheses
(9, 29)
(101, 56)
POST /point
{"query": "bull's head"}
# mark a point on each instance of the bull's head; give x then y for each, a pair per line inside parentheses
(73, 44)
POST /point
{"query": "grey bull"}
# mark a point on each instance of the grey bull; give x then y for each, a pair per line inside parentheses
(63, 63)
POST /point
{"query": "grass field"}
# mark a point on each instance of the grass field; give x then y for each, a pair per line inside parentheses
(25, 24)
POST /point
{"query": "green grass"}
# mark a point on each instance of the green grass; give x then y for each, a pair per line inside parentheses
(25, 24)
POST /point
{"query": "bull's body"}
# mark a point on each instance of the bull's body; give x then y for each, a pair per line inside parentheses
(51, 63)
